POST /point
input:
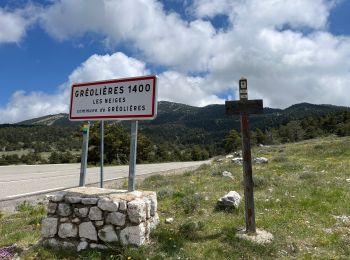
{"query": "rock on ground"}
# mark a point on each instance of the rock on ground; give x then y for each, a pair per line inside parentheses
(261, 237)
(238, 160)
(261, 160)
(230, 200)
(227, 174)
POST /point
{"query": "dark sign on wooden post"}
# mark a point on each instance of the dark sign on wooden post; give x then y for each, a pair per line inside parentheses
(244, 107)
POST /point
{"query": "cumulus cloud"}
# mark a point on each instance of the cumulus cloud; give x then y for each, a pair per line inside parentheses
(164, 38)
(14, 23)
(284, 48)
(13, 26)
(278, 45)
(98, 67)
(177, 87)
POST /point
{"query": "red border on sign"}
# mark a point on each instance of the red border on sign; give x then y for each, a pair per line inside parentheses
(150, 116)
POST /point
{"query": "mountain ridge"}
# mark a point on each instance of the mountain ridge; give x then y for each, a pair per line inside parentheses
(168, 109)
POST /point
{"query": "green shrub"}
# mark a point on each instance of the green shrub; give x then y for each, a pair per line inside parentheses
(190, 202)
(24, 206)
(280, 158)
(307, 175)
(166, 193)
(190, 229)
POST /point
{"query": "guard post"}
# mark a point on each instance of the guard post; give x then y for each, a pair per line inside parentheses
(243, 108)
(84, 154)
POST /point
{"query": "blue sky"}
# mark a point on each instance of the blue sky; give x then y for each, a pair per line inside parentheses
(199, 49)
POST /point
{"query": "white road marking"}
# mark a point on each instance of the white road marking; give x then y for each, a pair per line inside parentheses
(52, 177)
(35, 192)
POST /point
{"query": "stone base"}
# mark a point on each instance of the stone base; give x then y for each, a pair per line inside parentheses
(90, 217)
(261, 237)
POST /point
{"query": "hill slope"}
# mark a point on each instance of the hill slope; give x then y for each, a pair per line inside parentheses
(187, 124)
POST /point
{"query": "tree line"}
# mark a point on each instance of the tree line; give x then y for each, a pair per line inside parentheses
(62, 144)
(336, 123)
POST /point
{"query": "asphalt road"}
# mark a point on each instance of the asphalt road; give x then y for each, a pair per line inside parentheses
(27, 180)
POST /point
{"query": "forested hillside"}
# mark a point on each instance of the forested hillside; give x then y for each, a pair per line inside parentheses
(180, 132)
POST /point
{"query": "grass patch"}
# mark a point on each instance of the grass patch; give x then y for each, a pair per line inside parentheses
(297, 196)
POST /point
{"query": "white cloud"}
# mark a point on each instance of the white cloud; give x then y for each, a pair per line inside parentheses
(30, 105)
(283, 47)
(163, 38)
(98, 67)
(14, 23)
(177, 87)
(13, 27)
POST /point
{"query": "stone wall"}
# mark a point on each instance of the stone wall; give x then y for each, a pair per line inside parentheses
(91, 217)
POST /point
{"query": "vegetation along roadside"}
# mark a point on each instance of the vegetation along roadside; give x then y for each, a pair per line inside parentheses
(300, 197)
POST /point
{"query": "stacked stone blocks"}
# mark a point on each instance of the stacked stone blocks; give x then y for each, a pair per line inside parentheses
(93, 217)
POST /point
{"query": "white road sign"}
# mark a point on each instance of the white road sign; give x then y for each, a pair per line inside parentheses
(119, 99)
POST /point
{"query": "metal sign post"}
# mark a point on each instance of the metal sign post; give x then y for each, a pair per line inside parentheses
(84, 154)
(244, 107)
(102, 154)
(132, 157)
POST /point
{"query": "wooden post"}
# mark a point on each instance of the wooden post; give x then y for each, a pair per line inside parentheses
(244, 107)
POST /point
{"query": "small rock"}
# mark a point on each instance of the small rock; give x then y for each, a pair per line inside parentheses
(229, 156)
(72, 199)
(108, 234)
(230, 200)
(51, 207)
(67, 230)
(122, 205)
(88, 230)
(134, 235)
(136, 211)
(98, 246)
(62, 220)
(108, 205)
(343, 218)
(116, 218)
(169, 220)
(238, 160)
(56, 197)
(64, 210)
(227, 174)
(99, 223)
(261, 160)
(76, 220)
(49, 227)
(82, 246)
(348, 180)
(81, 212)
(95, 213)
(89, 201)
(237, 154)
(68, 245)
